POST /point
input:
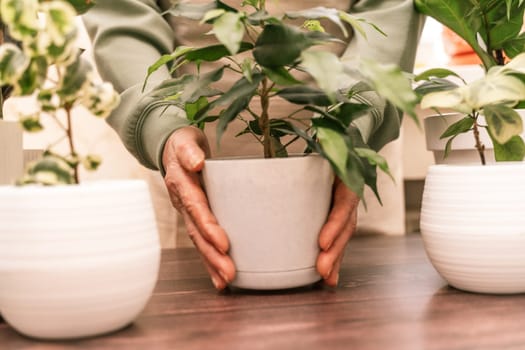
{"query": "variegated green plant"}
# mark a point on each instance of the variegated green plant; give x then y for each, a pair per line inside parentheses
(42, 60)
(493, 28)
(274, 59)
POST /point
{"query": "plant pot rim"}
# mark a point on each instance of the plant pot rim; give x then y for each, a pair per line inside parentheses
(477, 167)
(256, 159)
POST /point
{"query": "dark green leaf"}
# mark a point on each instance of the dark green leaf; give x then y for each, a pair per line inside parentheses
(194, 89)
(303, 95)
(230, 113)
(512, 150)
(213, 52)
(434, 85)
(82, 6)
(280, 76)
(74, 77)
(436, 73)
(280, 45)
(461, 126)
(374, 159)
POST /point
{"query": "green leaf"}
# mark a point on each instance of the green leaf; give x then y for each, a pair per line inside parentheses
(280, 45)
(50, 170)
(280, 150)
(280, 76)
(303, 95)
(325, 67)
(246, 67)
(194, 89)
(515, 46)
(230, 113)
(213, 52)
(31, 123)
(74, 77)
(91, 162)
(13, 63)
(503, 122)
(165, 59)
(434, 85)
(512, 150)
(462, 18)
(280, 128)
(436, 73)
(461, 126)
(333, 145)
(374, 158)
(241, 88)
(229, 30)
(82, 6)
(191, 109)
(392, 84)
(33, 77)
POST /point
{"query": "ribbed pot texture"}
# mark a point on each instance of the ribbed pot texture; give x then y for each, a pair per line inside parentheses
(77, 260)
(473, 225)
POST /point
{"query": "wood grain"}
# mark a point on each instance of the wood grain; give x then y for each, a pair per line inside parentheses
(389, 297)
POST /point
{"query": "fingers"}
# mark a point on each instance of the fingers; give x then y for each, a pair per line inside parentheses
(336, 233)
(329, 261)
(183, 157)
(220, 266)
(344, 204)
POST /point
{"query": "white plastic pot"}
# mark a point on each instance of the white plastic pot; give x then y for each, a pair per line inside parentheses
(272, 211)
(473, 225)
(78, 260)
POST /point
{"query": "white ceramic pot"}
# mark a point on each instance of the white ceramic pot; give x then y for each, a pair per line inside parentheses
(473, 225)
(463, 147)
(272, 211)
(11, 152)
(77, 260)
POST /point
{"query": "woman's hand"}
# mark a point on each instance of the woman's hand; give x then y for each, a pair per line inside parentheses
(336, 232)
(183, 158)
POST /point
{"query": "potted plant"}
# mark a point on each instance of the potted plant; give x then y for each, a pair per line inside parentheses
(11, 156)
(76, 259)
(471, 216)
(270, 210)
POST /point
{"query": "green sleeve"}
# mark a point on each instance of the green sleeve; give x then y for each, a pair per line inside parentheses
(402, 25)
(128, 36)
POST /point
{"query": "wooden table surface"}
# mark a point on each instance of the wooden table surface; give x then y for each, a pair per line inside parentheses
(389, 297)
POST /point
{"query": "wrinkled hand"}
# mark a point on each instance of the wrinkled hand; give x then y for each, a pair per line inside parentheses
(336, 232)
(183, 158)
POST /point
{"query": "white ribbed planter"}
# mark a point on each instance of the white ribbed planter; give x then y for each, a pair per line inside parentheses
(473, 225)
(11, 153)
(77, 260)
(272, 211)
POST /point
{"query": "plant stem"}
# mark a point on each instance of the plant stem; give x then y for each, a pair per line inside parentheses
(69, 132)
(264, 120)
(499, 57)
(479, 145)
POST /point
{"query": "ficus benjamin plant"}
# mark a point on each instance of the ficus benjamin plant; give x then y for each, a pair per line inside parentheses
(42, 60)
(275, 57)
(493, 28)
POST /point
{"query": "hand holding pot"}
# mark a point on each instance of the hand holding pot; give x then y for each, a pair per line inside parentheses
(336, 232)
(183, 158)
